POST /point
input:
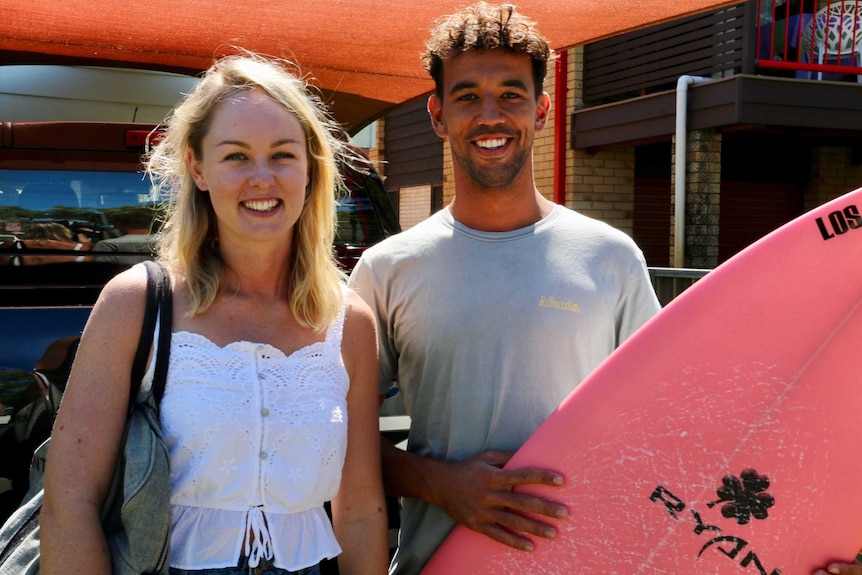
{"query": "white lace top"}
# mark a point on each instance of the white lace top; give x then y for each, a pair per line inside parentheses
(257, 442)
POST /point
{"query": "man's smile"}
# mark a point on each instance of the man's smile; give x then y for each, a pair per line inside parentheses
(492, 143)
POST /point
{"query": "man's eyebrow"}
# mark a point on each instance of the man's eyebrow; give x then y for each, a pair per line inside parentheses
(469, 85)
(517, 83)
(463, 85)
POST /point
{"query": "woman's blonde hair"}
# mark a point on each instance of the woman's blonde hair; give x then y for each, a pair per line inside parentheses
(189, 239)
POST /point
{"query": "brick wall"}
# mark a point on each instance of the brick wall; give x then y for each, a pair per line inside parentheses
(599, 185)
(448, 174)
(543, 147)
(703, 193)
(833, 174)
(602, 186)
(413, 205)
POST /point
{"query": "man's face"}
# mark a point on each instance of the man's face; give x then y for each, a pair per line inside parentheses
(490, 113)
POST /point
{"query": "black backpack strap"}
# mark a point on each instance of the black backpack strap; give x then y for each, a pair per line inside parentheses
(158, 303)
(165, 325)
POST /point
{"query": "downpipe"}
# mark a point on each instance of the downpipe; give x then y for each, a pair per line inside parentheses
(680, 161)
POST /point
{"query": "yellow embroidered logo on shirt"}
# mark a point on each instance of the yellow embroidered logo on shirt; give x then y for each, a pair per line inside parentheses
(557, 304)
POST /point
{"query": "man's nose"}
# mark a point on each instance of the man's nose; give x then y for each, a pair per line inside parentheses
(490, 112)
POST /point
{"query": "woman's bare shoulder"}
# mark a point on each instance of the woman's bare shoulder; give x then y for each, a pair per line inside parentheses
(358, 314)
(121, 302)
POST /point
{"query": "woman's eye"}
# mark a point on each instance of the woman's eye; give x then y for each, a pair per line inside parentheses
(235, 156)
(282, 155)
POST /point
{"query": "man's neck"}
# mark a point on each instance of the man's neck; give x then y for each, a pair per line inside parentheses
(516, 207)
(499, 210)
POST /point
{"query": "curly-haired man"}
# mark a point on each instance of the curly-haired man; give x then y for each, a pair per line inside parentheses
(492, 310)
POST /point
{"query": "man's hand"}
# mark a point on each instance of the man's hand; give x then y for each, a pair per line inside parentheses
(477, 493)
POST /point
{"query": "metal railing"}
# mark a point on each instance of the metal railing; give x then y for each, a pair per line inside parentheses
(670, 282)
(810, 37)
(803, 39)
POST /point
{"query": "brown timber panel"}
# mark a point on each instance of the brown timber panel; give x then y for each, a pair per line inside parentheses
(705, 44)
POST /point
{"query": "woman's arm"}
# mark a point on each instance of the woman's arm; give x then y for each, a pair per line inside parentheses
(359, 509)
(89, 427)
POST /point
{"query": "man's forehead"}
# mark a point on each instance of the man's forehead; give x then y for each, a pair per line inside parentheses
(486, 54)
(502, 66)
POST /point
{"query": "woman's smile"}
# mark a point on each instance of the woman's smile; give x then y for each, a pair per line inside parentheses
(261, 205)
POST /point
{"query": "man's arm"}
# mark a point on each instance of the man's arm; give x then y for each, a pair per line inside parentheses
(476, 492)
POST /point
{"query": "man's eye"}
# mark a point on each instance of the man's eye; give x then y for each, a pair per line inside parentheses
(466, 97)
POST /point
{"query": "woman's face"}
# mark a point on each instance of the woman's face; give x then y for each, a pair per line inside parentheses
(254, 165)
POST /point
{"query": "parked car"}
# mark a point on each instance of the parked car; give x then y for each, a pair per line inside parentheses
(75, 209)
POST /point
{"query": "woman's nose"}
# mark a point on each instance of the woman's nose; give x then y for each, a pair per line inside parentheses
(261, 174)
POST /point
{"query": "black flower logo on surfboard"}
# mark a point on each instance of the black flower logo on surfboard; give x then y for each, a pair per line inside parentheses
(744, 497)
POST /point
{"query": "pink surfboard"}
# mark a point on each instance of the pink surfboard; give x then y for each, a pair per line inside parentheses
(724, 437)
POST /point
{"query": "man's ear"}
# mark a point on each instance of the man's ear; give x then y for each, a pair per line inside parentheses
(194, 169)
(543, 109)
(435, 110)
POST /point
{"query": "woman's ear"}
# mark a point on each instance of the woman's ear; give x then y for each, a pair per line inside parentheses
(195, 169)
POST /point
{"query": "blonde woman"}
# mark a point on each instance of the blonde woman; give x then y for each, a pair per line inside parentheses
(270, 407)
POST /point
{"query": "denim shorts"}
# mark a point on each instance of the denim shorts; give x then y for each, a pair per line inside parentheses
(313, 570)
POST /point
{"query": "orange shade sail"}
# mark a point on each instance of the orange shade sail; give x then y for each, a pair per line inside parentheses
(363, 54)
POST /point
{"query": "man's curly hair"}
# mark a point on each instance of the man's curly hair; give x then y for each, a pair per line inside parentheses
(484, 26)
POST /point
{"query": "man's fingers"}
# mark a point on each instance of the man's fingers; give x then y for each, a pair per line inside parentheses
(518, 523)
(523, 503)
(531, 475)
(838, 568)
(510, 529)
(507, 538)
(484, 497)
(506, 480)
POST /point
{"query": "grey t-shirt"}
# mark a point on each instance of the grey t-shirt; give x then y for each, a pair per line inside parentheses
(486, 333)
